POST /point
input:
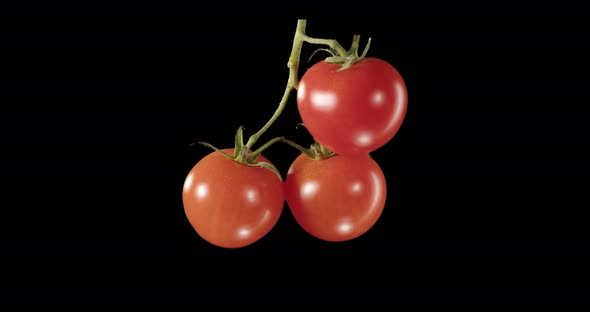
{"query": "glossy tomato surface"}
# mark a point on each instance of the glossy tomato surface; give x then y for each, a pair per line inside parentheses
(353, 111)
(229, 204)
(336, 199)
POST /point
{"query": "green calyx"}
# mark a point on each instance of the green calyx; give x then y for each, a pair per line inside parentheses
(242, 154)
(316, 151)
(350, 57)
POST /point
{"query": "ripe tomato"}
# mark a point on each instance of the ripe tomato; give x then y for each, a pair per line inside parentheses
(229, 204)
(353, 111)
(336, 199)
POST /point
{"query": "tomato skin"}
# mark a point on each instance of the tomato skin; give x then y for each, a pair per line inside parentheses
(336, 199)
(229, 204)
(353, 111)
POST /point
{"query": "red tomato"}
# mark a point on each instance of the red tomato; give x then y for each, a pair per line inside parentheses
(229, 204)
(336, 199)
(353, 111)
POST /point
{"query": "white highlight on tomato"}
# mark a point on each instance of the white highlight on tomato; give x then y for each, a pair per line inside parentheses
(377, 98)
(356, 187)
(309, 189)
(189, 182)
(251, 195)
(344, 227)
(323, 100)
(377, 191)
(364, 139)
(400, 94)
(202, 190)
(244, 232)
(265, 217)
(301, 91)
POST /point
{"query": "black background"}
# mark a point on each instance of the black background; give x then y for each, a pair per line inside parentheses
(487, 178)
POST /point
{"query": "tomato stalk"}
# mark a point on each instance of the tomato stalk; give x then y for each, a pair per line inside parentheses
(293, 65)
(340, 56)
(242, 152)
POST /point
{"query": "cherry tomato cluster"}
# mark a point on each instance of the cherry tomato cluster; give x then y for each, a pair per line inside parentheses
(351, 106)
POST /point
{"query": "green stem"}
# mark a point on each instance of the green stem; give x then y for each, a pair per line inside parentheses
(329, 42)
(306, 151)
(292, 83)
(293, 65)
(261, 149)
